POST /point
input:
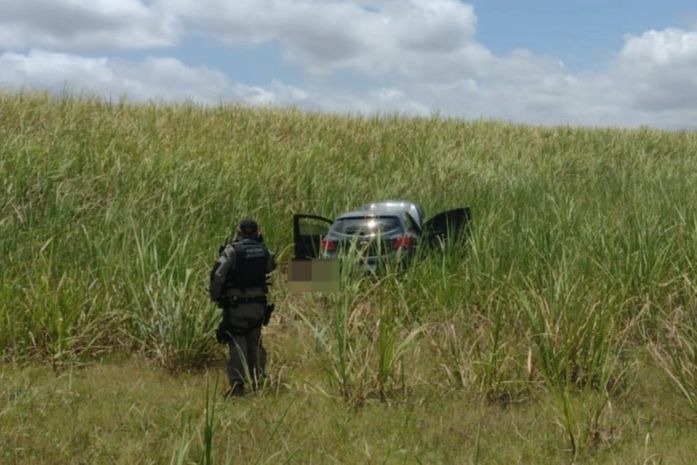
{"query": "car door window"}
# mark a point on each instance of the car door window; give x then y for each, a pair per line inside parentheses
(447, 225)
(410, 224)
(308, 231)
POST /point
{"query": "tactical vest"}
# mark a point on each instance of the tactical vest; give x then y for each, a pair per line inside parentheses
(251, 261)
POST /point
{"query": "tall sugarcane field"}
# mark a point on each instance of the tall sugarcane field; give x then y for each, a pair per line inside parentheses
(562, 330)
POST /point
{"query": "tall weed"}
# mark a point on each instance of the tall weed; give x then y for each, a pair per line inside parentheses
(675, 351)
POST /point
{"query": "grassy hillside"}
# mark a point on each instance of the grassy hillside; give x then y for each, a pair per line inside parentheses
(566, 328)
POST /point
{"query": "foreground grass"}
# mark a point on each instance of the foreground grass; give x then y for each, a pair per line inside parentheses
(131, 412)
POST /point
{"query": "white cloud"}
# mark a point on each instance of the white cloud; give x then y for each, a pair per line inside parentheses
(149, 79)
(383, 100)
(86, 24)
(372, 37)
(659, 69)
(670, 47)
(168, 79)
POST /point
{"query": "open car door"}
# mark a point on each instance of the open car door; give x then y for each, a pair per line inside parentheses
(447, 225)
(308, 231)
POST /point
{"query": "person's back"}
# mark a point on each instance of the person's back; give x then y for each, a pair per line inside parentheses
(239, 286)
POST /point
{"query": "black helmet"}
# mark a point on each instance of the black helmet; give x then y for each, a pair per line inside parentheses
(248, 228)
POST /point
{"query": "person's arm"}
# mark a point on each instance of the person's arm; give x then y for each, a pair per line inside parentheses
(224, 265)
(269, 308)
(271, 263)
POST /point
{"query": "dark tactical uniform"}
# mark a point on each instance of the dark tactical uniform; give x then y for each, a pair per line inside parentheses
(238, 285)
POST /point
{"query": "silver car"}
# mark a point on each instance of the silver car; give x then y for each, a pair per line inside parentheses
(376, 233)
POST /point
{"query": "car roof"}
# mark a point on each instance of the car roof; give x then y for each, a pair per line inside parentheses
(389, 207)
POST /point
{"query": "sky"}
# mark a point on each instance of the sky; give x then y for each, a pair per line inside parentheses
(617, 63)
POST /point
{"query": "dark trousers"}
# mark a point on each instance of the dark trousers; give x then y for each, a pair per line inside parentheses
(247, 355)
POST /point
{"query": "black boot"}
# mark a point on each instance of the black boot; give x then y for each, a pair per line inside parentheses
(236, 390)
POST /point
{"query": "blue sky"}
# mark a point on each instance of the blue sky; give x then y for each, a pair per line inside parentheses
(598, 63)
(582, 33)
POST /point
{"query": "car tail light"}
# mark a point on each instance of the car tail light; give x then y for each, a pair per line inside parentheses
(328, 245)
(402, 242)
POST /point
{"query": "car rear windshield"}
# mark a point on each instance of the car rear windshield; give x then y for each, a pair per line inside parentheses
(366, 225)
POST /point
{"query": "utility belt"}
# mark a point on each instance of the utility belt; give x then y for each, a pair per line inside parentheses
(225, 331)
(232, 302)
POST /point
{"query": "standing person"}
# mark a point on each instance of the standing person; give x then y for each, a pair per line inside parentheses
(238, 284)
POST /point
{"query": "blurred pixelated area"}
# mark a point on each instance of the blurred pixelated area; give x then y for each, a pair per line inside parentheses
(313, 276)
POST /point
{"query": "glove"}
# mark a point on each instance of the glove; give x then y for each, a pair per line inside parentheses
(222, 335)
(268, 310)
